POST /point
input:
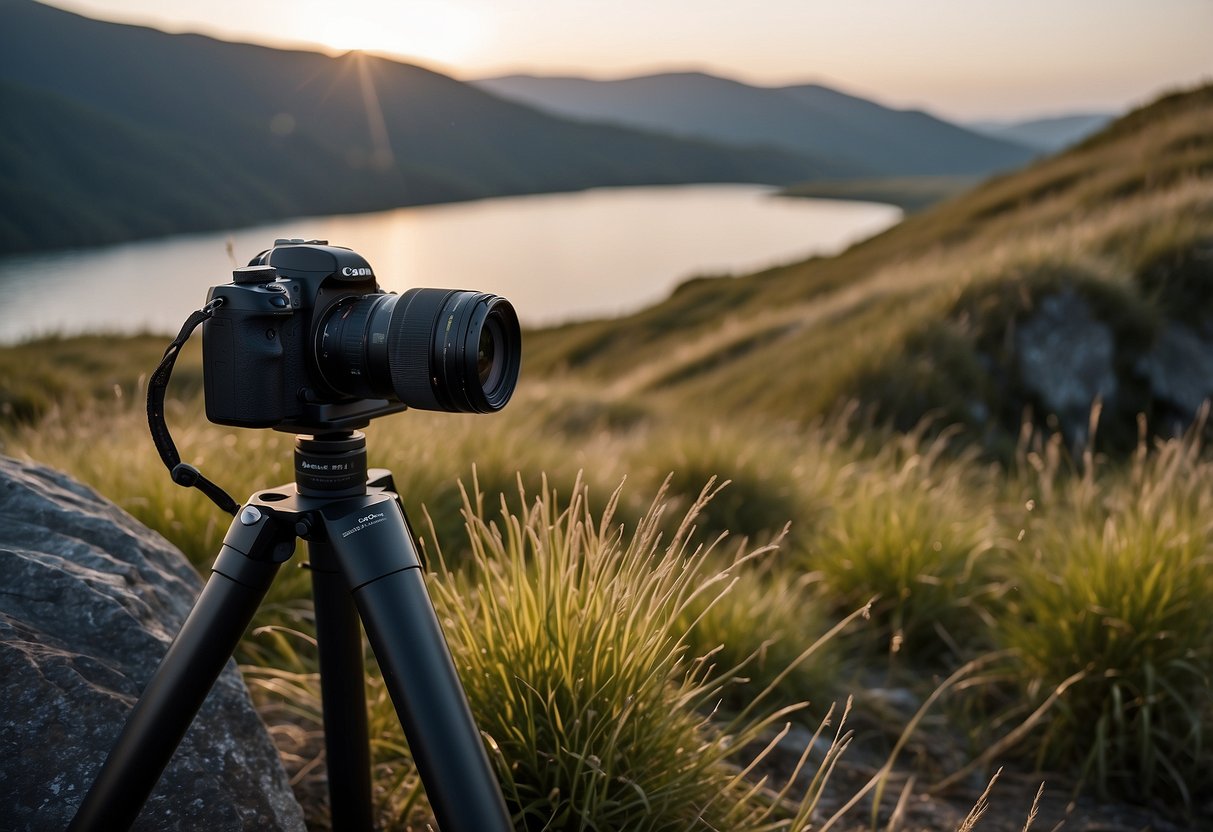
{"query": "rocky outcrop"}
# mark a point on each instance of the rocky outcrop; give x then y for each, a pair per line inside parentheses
(1180, 372)
(1067, 360)
(89, 600)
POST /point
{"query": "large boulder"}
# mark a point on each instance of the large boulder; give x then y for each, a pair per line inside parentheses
(1067, 360)
(89, 601)
(1180, 371)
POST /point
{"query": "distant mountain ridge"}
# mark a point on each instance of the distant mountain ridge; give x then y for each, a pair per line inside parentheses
(114, 132)
(1049, 134)
(855, 133)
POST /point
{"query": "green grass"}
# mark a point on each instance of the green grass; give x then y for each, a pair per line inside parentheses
(546, 584)
(580, 646)
(915, 534)
(574, 640)
(1112, 598)
(47, 373)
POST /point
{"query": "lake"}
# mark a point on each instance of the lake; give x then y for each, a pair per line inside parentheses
(557, 257)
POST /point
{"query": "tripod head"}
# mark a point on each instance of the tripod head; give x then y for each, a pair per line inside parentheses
(331, 464)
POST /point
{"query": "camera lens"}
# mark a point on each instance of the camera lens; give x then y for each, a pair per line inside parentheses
(431, 349)
(485, 354)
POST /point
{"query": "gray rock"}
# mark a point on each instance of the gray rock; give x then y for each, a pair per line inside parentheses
(89, 600)
(1180, 369)
(1066, 358)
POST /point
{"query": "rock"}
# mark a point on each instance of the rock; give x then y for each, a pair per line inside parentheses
(1180, 370)
(89, 600)
(1066, 357)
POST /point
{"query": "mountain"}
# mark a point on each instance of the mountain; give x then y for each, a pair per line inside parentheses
(869, 138)
(113, 132)
(1047, 134)
(1086, 275)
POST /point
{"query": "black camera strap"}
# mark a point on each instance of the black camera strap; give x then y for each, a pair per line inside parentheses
(182, 473)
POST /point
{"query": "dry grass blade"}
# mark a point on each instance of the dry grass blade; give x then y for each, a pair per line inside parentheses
(980, 807)
(881, 775)
(1012, 739)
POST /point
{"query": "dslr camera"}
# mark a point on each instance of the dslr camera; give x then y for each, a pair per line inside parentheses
(304, 340)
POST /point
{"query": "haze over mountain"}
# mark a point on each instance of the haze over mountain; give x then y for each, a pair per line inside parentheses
(1048, 134)
(805, 118)
(128, 132)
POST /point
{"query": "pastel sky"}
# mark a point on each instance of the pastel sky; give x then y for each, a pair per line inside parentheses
(963, 60)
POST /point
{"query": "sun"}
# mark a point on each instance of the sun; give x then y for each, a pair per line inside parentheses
(442, 32)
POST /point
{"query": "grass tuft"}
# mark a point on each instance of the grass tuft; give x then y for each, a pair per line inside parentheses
(917, 531)
(575, 644)
(1115, 584)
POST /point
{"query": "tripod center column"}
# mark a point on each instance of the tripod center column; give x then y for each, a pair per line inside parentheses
(331, 465)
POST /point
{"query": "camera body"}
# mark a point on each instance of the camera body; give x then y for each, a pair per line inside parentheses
(304, 340)
(258, 346)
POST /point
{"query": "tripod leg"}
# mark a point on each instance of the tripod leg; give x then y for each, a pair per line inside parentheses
(186, 674)
(343, 694)
(372, 543)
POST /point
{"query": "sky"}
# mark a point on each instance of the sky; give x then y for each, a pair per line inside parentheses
(961, 59)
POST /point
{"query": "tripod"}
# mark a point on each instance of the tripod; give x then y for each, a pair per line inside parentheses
(364, 565)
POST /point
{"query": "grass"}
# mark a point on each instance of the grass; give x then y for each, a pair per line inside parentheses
(1115, 585)
(910, 193)
(39, 376)
(580, 581)
(577, 642)
(918, 532)
(574, 639)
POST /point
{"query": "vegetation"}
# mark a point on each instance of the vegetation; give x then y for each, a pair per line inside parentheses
(910, 193)
(634, 667)
(1111, 608)
(958, 567)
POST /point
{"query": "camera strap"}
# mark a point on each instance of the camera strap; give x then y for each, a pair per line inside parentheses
(182, 473)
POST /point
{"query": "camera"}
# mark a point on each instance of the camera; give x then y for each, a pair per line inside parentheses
(304, 340)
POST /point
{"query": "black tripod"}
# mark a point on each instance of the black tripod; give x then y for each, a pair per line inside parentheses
(364, 565)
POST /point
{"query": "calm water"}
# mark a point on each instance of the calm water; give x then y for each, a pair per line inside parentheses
(556, 257)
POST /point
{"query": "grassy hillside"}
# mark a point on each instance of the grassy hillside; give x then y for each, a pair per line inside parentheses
(912, 321)
(141, 133)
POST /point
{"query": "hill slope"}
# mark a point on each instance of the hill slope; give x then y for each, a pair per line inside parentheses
(1110, 242)
(144, 132)
(863, 137)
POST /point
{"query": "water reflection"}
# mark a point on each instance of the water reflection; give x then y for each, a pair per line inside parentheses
(556, 256)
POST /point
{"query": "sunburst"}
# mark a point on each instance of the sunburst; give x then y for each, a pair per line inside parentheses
(446, 33)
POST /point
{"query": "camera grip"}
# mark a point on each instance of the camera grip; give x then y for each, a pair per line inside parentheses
(243, 370)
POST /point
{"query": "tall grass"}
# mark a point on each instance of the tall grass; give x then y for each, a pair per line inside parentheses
(574, 643)
(574, 640)
(1094, 578)
(763, 624)
(1112, 608)
(916, 529)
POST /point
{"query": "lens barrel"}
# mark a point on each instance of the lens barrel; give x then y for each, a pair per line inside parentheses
(431, 349)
